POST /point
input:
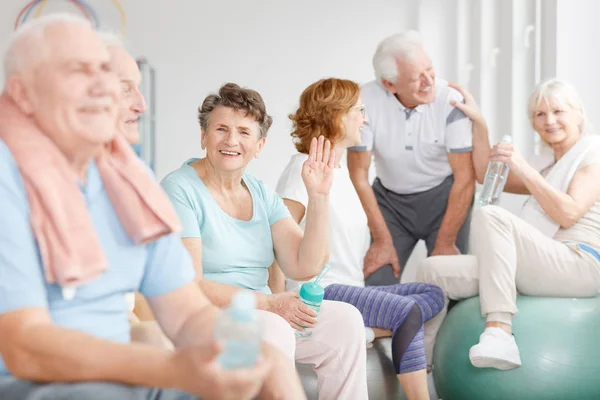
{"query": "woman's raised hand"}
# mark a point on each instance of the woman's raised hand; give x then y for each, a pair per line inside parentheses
(317, 171)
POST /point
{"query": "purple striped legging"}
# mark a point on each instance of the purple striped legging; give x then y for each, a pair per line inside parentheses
(402, 309)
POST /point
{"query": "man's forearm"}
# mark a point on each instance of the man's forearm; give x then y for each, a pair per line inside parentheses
(48, 353)
(198, 329)
(314, 248)
(459, 203)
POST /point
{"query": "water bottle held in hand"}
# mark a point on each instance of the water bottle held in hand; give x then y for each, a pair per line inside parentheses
(495, 179)
(311, 294)
(239, 331)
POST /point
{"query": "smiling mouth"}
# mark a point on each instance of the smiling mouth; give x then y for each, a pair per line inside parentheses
(95, 109)
(132, 121)
(229, 153)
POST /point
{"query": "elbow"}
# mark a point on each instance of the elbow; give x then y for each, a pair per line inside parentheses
(21, 364)
(567, 221)
(568, 218)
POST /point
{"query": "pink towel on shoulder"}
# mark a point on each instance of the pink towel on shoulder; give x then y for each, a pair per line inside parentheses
(70, 248)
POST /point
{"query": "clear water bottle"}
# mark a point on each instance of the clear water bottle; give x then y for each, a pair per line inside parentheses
(240, 332)
(495, 178)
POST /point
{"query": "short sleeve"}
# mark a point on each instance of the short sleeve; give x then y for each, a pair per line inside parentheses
(181, 196)
(366, 138)
(168, 268)
(290, 185)
(274, 206)
(22, 282)
(459, 136)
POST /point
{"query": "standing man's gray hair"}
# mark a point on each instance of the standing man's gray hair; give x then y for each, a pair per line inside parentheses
(23, 45)
(392, 48)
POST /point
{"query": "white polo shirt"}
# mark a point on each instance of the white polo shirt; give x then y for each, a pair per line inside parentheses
(411, 146)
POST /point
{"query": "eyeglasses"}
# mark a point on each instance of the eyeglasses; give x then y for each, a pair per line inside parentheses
(362, 109)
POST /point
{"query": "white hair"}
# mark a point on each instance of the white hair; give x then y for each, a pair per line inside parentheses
(111, 39)
(561, 92)
(399, 46)
(26, 45)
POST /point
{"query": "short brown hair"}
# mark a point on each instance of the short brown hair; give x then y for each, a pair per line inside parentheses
(322, 106)
(233, 96)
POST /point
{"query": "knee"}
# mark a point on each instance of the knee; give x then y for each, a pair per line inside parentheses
(345, 322)
(486, 214)
(429, 270)
(414, 319)
(437, 295)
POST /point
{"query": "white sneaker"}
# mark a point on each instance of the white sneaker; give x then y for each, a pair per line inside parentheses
(496, 349)
(370, 336)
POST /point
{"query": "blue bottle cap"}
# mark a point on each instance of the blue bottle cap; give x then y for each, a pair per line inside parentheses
(312, 292)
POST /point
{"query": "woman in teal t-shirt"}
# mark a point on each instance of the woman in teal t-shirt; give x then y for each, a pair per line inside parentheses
(235, 228)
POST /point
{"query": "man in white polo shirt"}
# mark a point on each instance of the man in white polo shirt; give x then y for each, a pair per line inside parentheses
(422, 149)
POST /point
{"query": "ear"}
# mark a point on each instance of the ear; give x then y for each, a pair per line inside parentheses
(259, 146)
(389, 86)
(18, 91)
(203, 138)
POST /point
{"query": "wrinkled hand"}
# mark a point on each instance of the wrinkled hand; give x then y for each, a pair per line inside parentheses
(317, 171)
(199, 372)
(507, 153)
(469, 107)
(445, 250)
(379, 254)
(288, 306)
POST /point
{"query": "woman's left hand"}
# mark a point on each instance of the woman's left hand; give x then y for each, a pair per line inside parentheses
(507, 153)
(317, 171)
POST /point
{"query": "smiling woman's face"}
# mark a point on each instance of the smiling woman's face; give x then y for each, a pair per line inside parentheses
(232, 139)
(556, 122)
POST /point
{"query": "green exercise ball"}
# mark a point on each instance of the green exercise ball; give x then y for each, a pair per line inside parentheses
(559, 342)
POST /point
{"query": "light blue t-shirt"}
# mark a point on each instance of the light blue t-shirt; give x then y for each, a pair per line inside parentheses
(99, 307)
(234, 252)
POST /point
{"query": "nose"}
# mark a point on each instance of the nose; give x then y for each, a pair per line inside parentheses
(139, 105)
(550, 118)
(427, 79)
(231, 139)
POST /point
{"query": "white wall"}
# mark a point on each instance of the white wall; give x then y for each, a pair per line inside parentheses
(278, 47)
(578, 54)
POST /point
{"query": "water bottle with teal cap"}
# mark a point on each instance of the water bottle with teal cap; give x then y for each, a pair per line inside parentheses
(311, 294)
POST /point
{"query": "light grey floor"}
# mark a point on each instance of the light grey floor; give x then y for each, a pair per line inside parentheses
(381, 377)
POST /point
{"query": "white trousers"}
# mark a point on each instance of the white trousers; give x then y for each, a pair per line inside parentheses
(510, 255)
(336, 349)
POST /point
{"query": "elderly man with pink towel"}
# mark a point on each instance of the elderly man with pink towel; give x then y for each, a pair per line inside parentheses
(82, 223)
